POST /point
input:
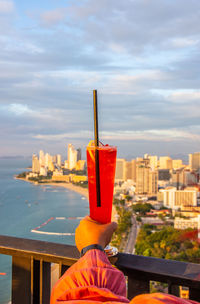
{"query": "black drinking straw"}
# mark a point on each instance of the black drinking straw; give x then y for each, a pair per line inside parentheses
(96, 143)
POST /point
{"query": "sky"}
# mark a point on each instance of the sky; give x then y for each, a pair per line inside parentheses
(142, 56)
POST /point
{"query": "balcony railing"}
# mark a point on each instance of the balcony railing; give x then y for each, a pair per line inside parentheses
(32, 271)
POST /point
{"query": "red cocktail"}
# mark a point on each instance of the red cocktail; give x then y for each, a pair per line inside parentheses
(107, 163)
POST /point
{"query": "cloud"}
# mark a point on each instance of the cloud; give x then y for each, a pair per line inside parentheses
(19, 109)
(63, 136)
(184, 42)
(142, 56)
(185, 96)
(147, 135)
(6, 7)
(53, 17)
(23, 111)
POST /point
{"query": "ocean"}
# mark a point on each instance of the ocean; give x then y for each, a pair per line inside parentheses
(25, 207)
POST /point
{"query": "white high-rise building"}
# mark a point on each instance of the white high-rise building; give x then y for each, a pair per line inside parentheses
(120, 173)
(194, 161)
(35, 164)
(59, 160)
(153, 160)
(47, 160)
(41, 158)
(165, 162)
(72, 157)
(43, 171)
(175, 199)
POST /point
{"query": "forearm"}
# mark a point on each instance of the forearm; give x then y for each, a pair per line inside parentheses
(92, 277)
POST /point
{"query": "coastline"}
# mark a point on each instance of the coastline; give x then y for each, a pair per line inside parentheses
(71, 187)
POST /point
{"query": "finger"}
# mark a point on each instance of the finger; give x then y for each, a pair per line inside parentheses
(114, 225)
(111, 227)
(93, 221)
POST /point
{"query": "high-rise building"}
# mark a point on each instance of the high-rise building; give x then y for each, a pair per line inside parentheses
(47, 160)
(35, 164)
(43, 170)
(66, 164)
(41, 158)
(183, 177)
(81, 164)
(133, 177)
(153, 182)
(177, 163)
(58, 160)
(185, 198)
(176, 199)
(54, 159)
(128, 170)
(72, 156)
(51, 166)
(78, 154)
(120, 173)
(142, 179)
(153, 161)
(146, 179)
(194, 161)
(165, 162)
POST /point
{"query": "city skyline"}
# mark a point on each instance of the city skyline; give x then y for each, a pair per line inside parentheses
(141, 56)
(128, 157)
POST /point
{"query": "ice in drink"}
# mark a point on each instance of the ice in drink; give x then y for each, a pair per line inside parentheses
(107, 164)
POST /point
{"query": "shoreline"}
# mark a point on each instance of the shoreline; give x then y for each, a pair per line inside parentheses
(71, 187)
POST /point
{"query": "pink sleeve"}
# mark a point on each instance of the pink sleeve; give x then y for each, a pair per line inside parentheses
(160, 298)
(92, 278)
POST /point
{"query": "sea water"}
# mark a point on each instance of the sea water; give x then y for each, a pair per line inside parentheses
(26, 207)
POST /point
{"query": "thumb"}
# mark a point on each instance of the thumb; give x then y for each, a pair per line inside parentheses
(113, 226)
(110, 229)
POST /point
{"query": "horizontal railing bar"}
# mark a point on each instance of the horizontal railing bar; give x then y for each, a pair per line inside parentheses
(48, 251)
(178, 273)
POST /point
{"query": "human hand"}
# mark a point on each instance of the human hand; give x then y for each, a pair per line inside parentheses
(90, 232)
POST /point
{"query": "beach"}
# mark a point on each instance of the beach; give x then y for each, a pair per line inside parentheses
(72, 187)
(82, 191)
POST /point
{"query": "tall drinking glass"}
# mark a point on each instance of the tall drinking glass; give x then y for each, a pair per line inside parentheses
(107, 164)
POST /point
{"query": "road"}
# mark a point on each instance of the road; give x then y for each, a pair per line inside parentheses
(130, 246)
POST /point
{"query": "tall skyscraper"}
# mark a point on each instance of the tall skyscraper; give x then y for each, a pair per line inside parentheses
(47, 160)
(120, 173)
(58, 160)
(41, 158)
(128, 170)
(133, 162)
(153, 182)
(153, 161)
(142, 179)
(165, 162)
(43, 170)
(72, 156)
(146, 179)
(194, 161)
(78, 154)
(35, 164)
